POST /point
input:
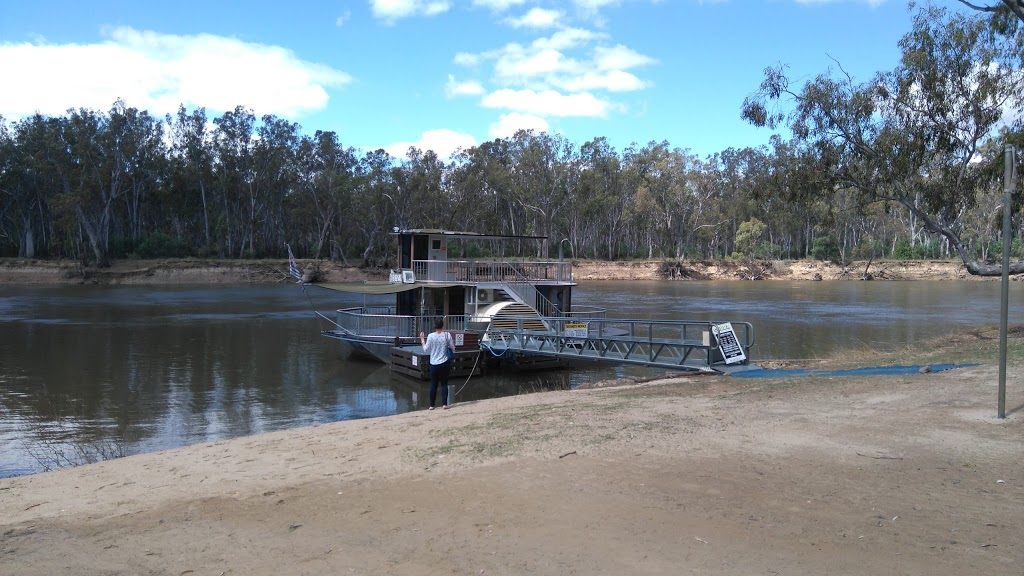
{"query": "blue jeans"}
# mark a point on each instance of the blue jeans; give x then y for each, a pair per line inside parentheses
(439, 375)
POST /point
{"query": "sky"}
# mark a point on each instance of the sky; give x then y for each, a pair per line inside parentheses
(443, 74)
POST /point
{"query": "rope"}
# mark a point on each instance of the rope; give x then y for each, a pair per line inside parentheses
(471, 372)
(477, 362)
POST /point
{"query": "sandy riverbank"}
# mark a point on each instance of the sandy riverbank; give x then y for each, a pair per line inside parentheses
(188, 271)
(704, 475)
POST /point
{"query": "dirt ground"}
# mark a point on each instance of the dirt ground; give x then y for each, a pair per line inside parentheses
(184, 271)
(695, 475)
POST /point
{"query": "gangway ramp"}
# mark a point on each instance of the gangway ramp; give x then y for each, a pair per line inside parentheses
(670, 344)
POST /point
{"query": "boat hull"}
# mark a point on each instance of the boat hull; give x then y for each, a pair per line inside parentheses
(370, 347)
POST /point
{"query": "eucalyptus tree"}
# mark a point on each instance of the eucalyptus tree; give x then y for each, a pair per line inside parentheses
(327, 179)
(481, 180)
(135, 144)
(274, 177)
(25, 180)
(417, 190)
(542, 171)
(376, 212)
(104, 159)
(233, 177)
(909, 136)
(601, 216)
(1000, 9)
(191, 158)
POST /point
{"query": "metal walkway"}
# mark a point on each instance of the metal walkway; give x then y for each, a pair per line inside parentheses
(677, 345)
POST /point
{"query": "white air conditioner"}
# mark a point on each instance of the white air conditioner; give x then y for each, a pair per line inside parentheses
(483, 295)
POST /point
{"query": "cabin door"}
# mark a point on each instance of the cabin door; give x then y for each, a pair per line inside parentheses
(437, 268)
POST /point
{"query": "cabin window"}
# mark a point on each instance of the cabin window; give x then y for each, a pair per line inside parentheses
(435, 244)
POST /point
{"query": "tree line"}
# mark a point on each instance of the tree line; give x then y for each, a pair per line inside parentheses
(905, 165)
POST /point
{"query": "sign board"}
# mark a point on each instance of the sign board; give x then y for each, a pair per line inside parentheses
(460, 339)
(578, 330)
(415, 360)
(729, 345)
(395, 277)
(408, 277)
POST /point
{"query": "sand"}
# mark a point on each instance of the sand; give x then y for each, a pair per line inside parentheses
(693, 475)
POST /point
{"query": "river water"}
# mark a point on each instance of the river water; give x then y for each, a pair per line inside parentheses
(88, 373)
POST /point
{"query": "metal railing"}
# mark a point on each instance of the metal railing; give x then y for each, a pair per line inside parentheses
(664, 343)
(382, 321)
(483, 271)
(587, 312)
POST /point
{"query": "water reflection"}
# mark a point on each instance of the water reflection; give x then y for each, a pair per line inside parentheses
(86, 372)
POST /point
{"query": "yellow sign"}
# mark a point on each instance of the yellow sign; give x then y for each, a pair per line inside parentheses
(578, 330)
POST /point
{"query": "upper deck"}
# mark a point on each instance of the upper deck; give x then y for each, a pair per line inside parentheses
(425, 254)
(472, 272)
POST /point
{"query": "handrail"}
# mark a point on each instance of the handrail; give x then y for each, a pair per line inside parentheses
(378, 321)
(477, 271)
(668, 343)
(654, 328)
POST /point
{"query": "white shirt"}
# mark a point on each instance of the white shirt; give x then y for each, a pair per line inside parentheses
(436, 346)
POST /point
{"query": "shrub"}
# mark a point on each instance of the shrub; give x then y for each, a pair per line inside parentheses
(825, 248)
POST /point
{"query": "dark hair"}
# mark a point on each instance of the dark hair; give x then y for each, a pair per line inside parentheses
(438, 324)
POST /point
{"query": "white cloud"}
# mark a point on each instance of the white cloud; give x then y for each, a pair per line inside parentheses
(392, 10)
(612, 81)
(467, 59)
(537, 18)
(548, 103)
(508, 124)
(558, 74)
(519, 67)
(498, 5)
(343, 18)
(567, 38)
(443, 142)
(594, 5)
(158, 72)
(468, 88)
(619, 57)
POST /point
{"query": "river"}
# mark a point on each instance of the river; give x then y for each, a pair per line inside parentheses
(92, 372)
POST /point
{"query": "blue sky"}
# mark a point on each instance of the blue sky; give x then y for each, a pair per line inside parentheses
(440, 74)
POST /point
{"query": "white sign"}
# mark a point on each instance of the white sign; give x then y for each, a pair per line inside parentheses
(395, 277)
(732, 352)
(578, 330)
(415, 360)
(460, 339)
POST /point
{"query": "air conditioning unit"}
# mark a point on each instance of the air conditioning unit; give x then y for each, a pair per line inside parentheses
(483, 295)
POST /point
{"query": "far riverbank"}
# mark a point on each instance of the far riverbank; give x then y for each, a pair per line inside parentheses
(213, 271)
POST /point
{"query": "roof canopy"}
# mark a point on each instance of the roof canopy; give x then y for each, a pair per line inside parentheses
(464, 235)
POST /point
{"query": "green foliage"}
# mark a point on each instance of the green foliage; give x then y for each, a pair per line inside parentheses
(825, 248)
(160, 245)
(748, 235)
(902, 250)
(767, 251)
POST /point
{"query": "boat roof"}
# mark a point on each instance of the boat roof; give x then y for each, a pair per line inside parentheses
(468, 235)
(379, 286)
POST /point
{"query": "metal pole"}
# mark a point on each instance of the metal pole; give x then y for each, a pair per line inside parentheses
(1009, 181)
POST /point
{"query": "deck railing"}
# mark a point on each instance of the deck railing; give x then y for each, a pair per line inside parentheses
(382, 321)
(481, 271)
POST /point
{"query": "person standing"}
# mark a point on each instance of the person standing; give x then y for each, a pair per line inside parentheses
(437, 344)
